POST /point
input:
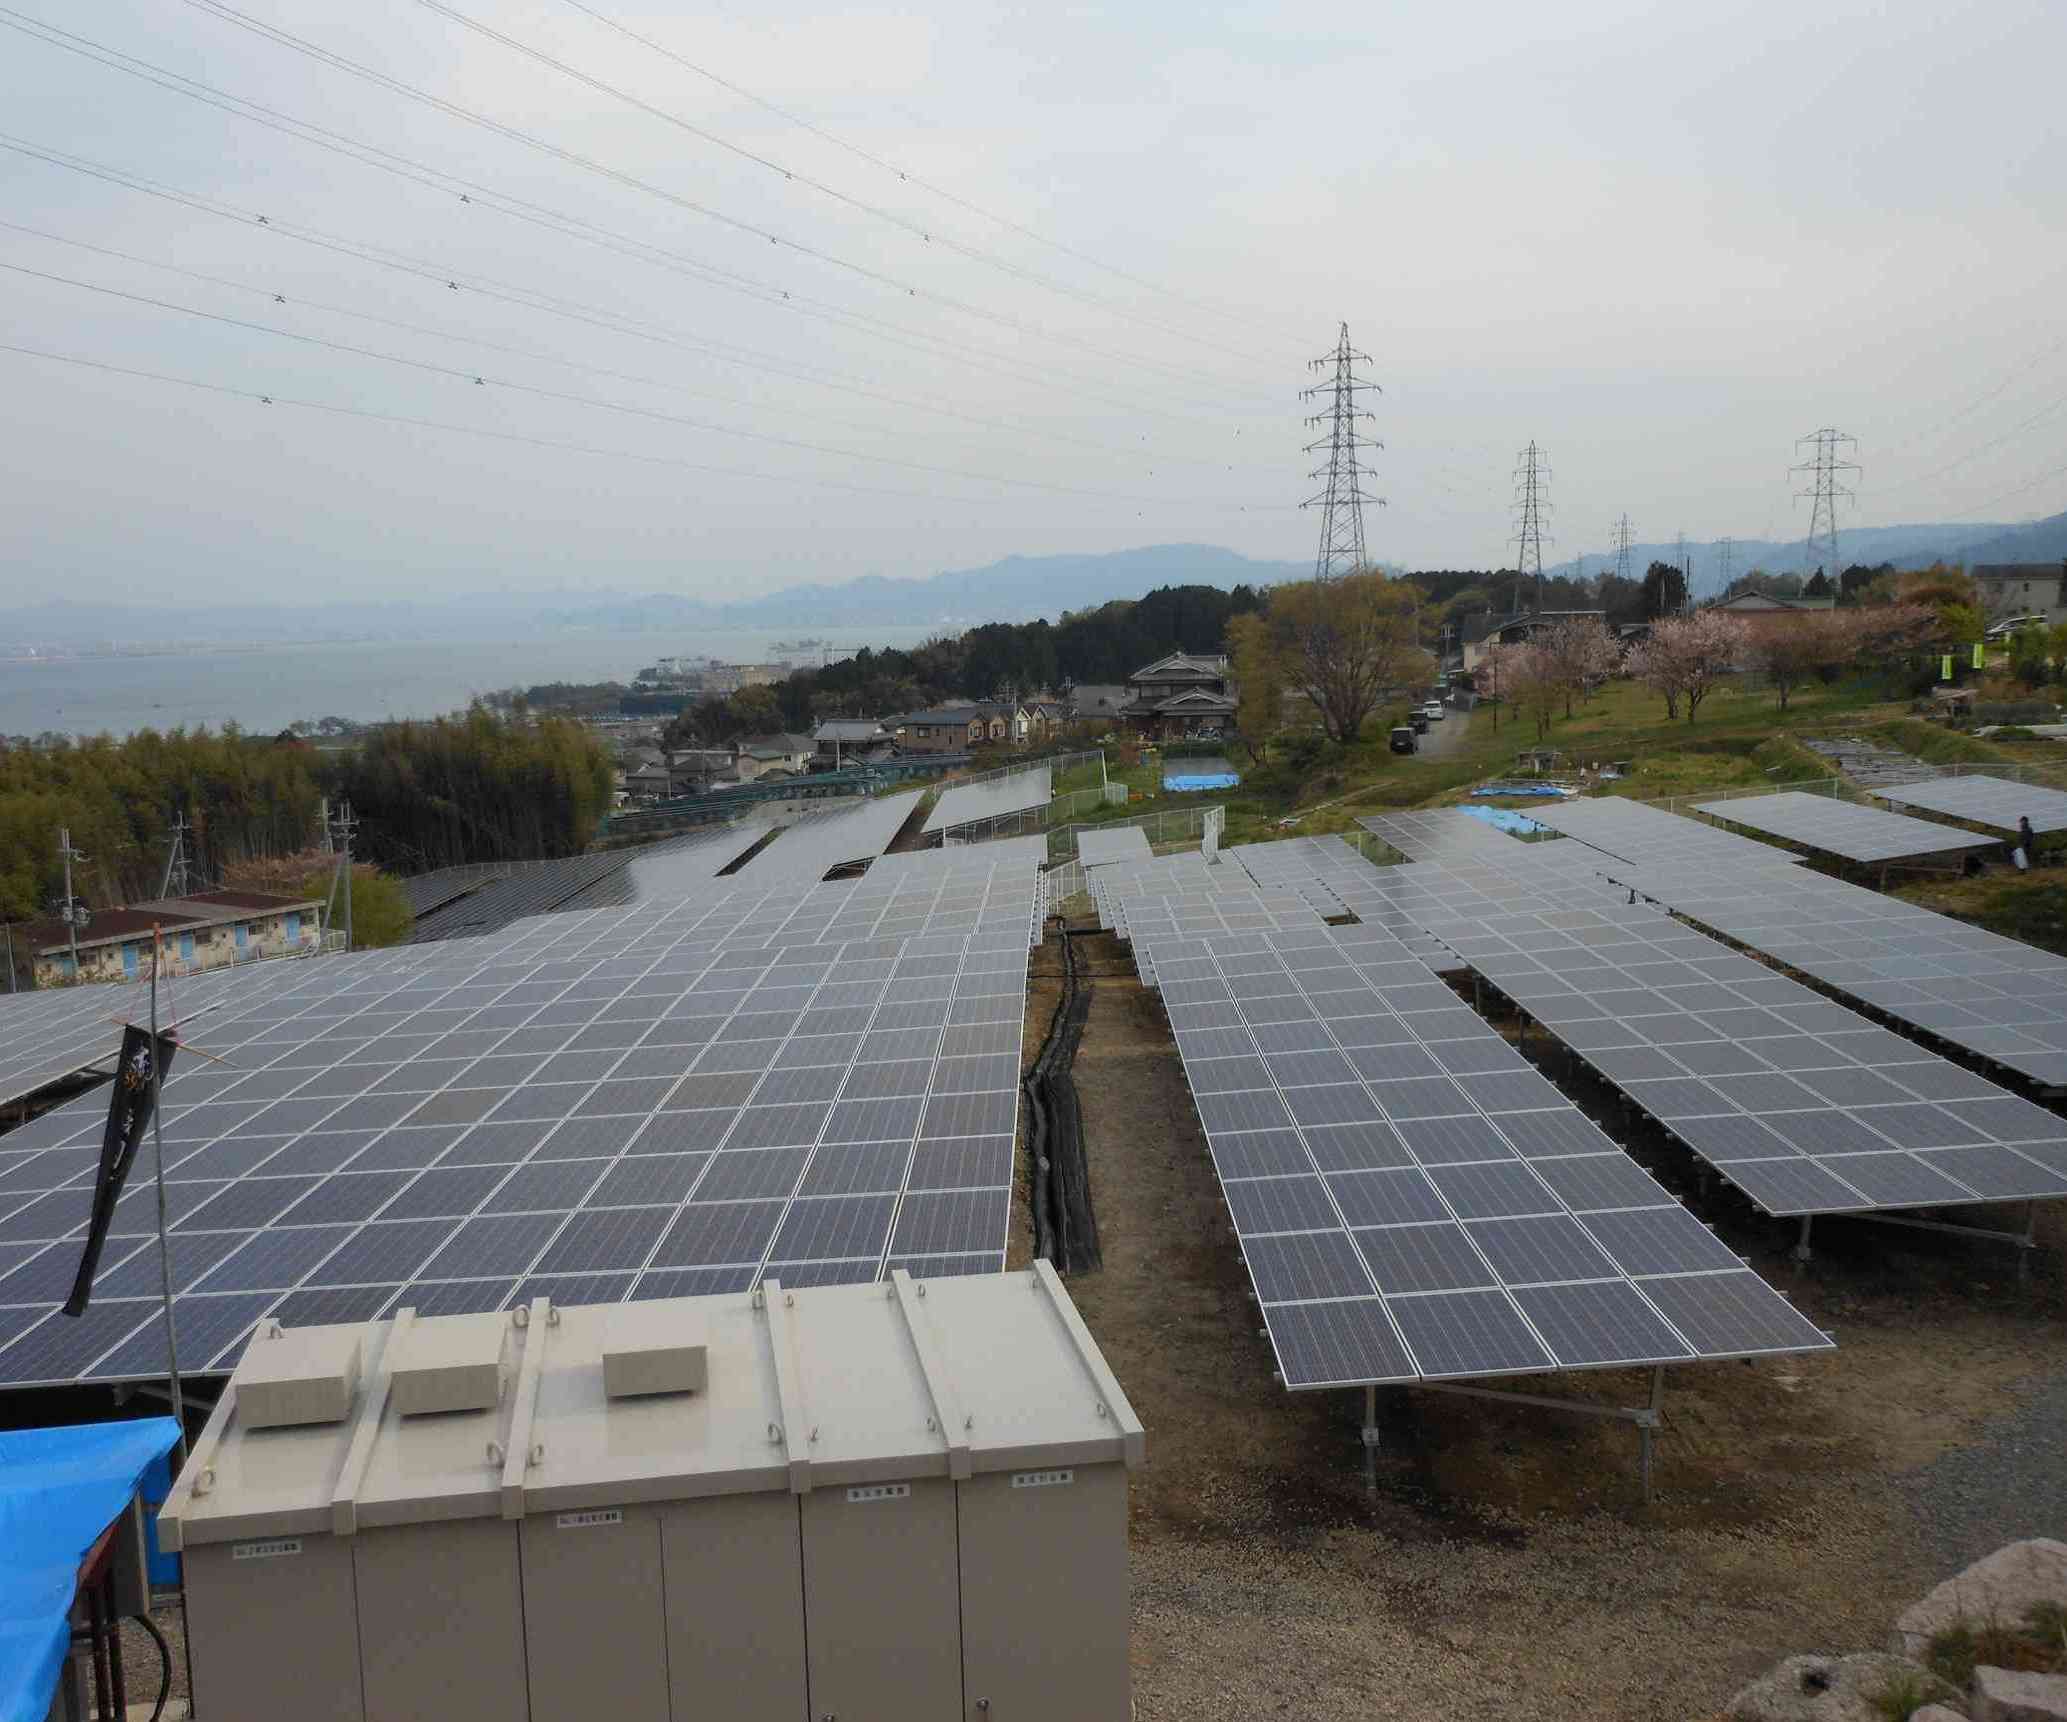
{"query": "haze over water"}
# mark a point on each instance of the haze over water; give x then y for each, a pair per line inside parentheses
(267, 688)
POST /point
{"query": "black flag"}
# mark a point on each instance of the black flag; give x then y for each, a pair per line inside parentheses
(129, 1116)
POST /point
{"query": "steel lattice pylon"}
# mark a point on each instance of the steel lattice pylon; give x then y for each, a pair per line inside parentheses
(1342, 496)
(1824, 492)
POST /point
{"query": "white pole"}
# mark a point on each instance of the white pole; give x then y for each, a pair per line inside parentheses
(179, 1409)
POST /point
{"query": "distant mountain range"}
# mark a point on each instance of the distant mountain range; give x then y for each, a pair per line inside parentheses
(1016, 589)
(1904, 546)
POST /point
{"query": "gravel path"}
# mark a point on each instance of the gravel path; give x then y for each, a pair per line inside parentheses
(2009, 1484)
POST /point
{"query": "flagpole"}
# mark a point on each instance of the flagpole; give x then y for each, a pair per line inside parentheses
(179, 1409)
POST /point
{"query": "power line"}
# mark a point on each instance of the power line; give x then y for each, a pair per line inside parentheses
(445, 277)
(644, 380)
(555, 444)
(1826, 490)
(471, 192)
(1531, 503)
(589, 164)
(925, 235)
(484, 380)
(1342, 496)
(905, 175)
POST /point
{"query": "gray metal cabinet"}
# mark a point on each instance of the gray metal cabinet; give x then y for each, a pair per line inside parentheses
(594, 1632)
(275, 1630)
(441, 1611)
(880, 1592)
(735, 1608)
(1049, 1546)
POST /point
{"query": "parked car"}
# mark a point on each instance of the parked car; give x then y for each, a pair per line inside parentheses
(1420, 723)
(1403, 740)
(1433, 710)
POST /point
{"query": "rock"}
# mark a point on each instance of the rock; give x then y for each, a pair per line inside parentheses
(2000, 1587)
(1935, 1713)
(1833, 1689)
(2009, 1695)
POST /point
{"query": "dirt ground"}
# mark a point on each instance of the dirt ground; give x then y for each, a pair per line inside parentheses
(1505, 1566)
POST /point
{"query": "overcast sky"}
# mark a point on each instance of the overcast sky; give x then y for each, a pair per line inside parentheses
(1662, 240)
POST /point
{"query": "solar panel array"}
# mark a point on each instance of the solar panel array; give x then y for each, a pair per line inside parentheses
(1015, 792)
(428, 891)
(814, 1082)
(1995, 802)
(838, 837)
(1863, 834)
(1994, 997)
(1804, 1105)
(1415, 1203)
(1635, 830)
(470, 907)
(1101, 846)
(1187, 894)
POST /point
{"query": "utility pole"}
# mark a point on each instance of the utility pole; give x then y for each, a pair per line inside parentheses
(1622, 541)
(176, 882)
(1531, 503)
(1825, 490)
(73, 916)
(343, 827)
(1342, 495)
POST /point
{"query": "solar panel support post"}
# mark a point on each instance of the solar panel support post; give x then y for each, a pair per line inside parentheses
(2024, 1242)
(1648, 1419)
(1370, 1440)
(1801, 1243)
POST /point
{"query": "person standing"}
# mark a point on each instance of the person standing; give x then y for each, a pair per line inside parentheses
(2027, 840)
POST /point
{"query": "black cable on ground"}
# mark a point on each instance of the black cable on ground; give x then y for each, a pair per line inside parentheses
(1069, 1176)
(164, 1663)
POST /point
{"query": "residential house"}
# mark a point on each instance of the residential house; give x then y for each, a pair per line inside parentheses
(838, 740)
(949, 729)
(1097, 702)
(2023, 589)
(1766, 604)
(655, 782)
(769, 753)
(1186, 693)
(204, 930)
(1481, 633)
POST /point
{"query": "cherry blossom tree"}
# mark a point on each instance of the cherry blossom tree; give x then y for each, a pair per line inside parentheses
(1686, 657)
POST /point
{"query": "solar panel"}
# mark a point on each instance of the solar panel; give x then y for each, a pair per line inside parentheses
(1636, 830)
(819, 842)
(993, 798)
(1842, 828)
(1805, 1106)
(1101, 846)
(811, 1079)
(1995, 802)
(1399, 1227)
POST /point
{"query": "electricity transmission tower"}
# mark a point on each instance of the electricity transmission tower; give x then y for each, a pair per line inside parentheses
(1342, 496)
(1531, 503)
(1622, 542)
(177, 882)
(1825, 491)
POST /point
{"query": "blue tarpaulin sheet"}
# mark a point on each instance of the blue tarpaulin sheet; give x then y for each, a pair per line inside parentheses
(1539, 790)
(1187, 776)
(1520, 825)
(59, 1488)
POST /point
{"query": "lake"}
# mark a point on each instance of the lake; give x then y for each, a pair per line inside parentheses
(267, 688)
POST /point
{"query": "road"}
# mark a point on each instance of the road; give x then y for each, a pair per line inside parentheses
(1447, 737)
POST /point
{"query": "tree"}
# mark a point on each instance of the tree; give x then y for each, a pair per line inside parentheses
(2030, 655)
(1343, 643)
(1793, 648)
(1687, 656)
(1818, 586)
(1576, 654)
(1665, 591)
(1260, 677)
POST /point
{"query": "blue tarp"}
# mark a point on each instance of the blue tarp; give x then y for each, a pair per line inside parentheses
(1541, 791)
(1186, 776)
(1506, 820)
(59, 1488)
